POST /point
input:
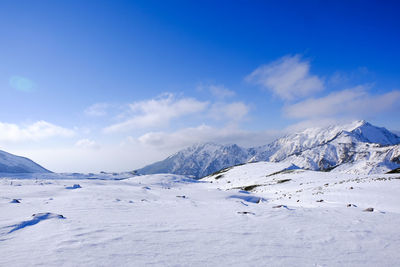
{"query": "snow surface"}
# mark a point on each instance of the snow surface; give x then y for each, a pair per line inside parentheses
(171, 220)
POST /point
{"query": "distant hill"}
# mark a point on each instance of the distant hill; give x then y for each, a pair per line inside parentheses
(10, 163)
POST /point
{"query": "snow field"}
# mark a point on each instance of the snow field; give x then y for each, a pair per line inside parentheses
(169, 220)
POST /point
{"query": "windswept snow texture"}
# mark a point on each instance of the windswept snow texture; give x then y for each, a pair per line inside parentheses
(358, 147)
(258, 214)
(10, 163)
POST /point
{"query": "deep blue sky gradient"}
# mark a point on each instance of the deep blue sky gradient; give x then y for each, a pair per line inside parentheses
(83, 52)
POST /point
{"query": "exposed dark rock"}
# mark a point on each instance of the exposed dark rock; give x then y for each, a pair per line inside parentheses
(245, 212)
(283, 181)
(394, 171)
(219, 176)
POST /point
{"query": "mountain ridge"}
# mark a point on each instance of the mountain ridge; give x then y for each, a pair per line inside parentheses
(317, 148)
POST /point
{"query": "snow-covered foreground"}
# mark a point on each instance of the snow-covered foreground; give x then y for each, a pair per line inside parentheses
(168, 220)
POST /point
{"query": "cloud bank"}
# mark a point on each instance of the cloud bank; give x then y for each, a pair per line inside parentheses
(205, 133)
(351, 102)
(34, 132)
(157, 112)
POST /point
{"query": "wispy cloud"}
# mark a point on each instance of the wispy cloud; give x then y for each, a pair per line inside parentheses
(97, 110)
(288, 77)
(205, 133)
(229, 112)
(33, 132)
(354, 102)
(157, 112)
(221, 91)
(87, 144)
(218, 91)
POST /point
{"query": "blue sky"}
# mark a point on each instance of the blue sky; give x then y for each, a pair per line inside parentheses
(114, 85)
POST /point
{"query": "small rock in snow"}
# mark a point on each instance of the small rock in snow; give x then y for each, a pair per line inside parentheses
(75, 186)
(369, 209)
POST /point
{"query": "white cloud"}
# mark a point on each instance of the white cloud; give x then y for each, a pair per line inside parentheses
(204, 133)
(355, 102)
(87, 144)
(157, 112)
(229, 112)
(97, 110)
(220, 91)
(288, 77)
(33, 132)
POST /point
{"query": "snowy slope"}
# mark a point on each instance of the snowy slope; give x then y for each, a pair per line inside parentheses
(10, 163)
(358, 147)
(170, 220)
(283, 184)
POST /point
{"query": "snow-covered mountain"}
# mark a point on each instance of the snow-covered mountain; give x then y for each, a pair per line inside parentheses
(10, 163)
(199, 160)
(358, 147)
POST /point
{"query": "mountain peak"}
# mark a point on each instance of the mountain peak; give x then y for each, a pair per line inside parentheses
(366, 132)
(361, 122)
